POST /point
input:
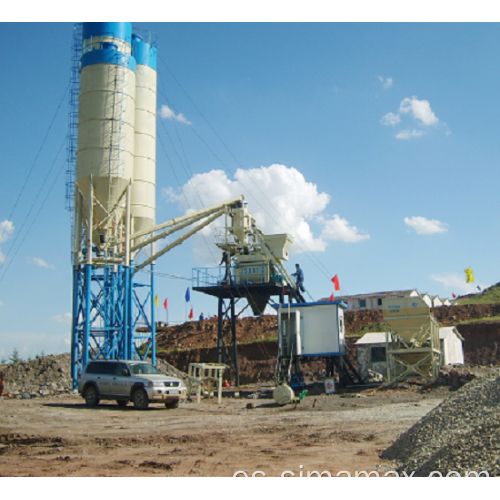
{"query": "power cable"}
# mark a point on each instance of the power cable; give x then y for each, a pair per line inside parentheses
(308, 251)
(185, 164)
(34, 219)
(38, 154)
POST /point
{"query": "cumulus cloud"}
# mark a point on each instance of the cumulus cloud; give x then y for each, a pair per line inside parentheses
(40, 262)
(386, 82)
(421, 225)
(409, 134)
(339, 229)
(64, 319)
(390, 119)
(455, 282)
(167, 114)
(6, 230)
(421, 110)
(279, 197)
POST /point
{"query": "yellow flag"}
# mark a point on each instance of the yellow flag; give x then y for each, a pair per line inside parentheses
(469, 275)
(156, 300)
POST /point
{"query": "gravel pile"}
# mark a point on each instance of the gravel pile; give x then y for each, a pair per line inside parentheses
(51, 375)
(45, 376)
(462, 434)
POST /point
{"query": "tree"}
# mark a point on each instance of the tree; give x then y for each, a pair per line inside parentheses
(14, 357)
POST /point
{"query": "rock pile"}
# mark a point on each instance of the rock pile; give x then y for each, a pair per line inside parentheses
(45, 376)
(50, 375)
(462, 434)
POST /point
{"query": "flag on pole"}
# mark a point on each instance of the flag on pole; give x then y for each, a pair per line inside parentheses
(191, 314)
(454, 296)
(335, 280)
(166, 304)
(469, 275)
(188, 295)
(156, 300)
(332, 297)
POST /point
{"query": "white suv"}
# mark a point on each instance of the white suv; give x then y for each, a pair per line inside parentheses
(124, 381)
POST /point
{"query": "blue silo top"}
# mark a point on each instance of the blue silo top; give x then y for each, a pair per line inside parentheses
(122, 31)
(144, 52)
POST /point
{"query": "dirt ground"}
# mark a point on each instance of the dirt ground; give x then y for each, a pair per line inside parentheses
(59, 436)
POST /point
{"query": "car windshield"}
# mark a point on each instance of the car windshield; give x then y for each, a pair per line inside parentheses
(143, 369)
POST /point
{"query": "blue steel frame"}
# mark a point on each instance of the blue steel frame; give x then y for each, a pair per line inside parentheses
(110, 316)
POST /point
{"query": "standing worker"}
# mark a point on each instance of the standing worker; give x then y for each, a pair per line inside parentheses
(299, 278)
(2, 384)
(226, 259)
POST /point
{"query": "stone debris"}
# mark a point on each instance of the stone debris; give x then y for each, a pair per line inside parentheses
(462, 434)
(51, 375)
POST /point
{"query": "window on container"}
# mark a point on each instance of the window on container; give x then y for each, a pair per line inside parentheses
(378, 354)
(362, 302)
(379, 302)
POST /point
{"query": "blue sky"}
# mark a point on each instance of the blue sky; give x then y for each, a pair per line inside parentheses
(377, 144)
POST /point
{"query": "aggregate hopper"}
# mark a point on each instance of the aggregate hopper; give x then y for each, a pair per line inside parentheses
(412, 342)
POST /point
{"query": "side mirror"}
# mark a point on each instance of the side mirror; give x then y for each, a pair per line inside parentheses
(125, 372)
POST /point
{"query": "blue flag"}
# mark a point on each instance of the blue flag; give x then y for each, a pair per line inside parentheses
(188, 295)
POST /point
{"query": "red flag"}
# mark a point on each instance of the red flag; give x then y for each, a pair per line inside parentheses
(332, 297)
(166, 304)
(335, 280)
(454, 296)
(191, 314)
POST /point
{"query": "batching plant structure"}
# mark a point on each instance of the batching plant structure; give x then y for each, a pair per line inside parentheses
(112, 158)
(111, 193)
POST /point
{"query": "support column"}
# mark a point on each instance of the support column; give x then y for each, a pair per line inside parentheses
(153, 317)
(235, 345)
(74, 329)
(219, 330)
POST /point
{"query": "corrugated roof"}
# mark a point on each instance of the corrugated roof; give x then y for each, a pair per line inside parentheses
(376, 295)
(372, 338)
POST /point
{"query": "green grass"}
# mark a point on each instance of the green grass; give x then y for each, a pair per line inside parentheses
(492, 319)
(489, 296)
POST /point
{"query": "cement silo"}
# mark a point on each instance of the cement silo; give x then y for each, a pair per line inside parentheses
(114, 192)
(144, 179)
(106, 124)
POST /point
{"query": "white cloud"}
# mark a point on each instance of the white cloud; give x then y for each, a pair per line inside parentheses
(386, 82)
(6, 230)
(167, 114)
(455, 282)
(421, 110)
(40, 262)
(390, 119)
(338, 229)
(279, 197)
(64, 319)
(421, 225)
(409, 134)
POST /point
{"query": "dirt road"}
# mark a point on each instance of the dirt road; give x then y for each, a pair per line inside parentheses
(59, 436)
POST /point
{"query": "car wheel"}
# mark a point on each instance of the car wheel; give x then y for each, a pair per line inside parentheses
(172, 404)
(122, 403)
(140, 399)
(91, 396)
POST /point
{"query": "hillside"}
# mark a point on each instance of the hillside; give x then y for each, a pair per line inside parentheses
(490, 295)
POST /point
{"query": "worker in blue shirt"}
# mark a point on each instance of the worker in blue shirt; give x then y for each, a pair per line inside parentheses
(299, 278)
